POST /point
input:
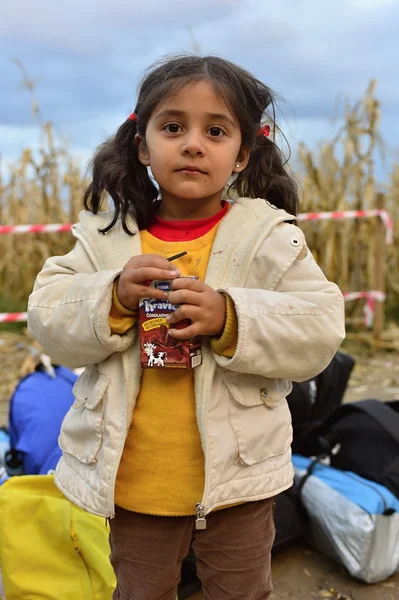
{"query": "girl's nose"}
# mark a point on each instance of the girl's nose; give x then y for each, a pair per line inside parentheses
(193, 143)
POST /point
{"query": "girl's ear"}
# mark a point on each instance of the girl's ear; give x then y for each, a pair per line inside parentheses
(242, 160)
(143, 155)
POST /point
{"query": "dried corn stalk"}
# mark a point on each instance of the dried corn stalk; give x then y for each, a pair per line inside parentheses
(46, 187)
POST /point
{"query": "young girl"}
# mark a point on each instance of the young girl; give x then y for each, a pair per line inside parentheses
(179, 458)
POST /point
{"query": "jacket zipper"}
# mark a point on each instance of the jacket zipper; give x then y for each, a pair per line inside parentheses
(200, 521)
(200, 508)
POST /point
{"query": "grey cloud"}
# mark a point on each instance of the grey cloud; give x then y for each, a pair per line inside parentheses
(325, 48)
(85, 27)
(89, 56)
(88, 60)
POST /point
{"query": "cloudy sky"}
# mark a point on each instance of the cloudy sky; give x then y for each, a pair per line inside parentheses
(86, 58)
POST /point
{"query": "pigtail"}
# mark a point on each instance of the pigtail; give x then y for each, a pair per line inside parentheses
(265, 176)
(116, 170)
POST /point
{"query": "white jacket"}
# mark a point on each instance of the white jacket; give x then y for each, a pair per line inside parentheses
(290, 324)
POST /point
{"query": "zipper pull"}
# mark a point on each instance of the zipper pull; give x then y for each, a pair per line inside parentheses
(200, 522)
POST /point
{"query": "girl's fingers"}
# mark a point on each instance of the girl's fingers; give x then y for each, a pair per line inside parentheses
(186, 311)
(184, 334)
(151, 274)
(187, 283)
(142, 291)
(185, 297)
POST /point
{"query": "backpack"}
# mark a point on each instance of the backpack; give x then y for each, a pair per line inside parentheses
(50, 548)
(312, 400)
(362, 437)
(352, 520)
(37, 409)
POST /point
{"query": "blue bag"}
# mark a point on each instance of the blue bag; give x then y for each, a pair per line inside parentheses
(37, 409)
(353, 520)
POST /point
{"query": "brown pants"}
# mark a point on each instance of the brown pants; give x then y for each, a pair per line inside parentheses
(233, 553)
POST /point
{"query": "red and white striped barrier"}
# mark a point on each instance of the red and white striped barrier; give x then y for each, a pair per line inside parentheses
(52, 228)
(321, 216)
(371, 298)
(353, 214)
(13, 317)
(374, 294)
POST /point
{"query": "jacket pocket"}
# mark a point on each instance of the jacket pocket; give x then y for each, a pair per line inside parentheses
(82, 429)
(259, 416)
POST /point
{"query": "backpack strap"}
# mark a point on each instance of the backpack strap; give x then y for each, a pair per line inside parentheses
(383, 414)
(319, 439)
(309, 472)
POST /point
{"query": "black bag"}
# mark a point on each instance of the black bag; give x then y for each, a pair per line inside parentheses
(290, 518)
(312, 400)
(362, 437)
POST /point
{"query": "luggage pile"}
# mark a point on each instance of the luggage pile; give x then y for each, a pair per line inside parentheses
(348, 480)
(344, 502)
(352, 520)
(345, 498)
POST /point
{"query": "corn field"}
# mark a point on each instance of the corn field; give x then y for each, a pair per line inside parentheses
(342, 177)
(46, 187)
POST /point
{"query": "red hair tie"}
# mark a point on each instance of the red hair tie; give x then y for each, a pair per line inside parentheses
(265, 131)
(132, 117)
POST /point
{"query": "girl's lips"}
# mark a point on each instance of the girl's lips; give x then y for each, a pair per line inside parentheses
(192, 172)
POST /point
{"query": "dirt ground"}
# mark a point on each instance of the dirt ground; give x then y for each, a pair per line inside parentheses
(299, 573)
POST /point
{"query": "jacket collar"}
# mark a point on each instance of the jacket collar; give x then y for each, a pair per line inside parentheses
(109, 250)
(247, 224)
(241, 231)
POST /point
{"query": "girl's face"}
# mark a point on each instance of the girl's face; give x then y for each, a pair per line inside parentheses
(193, 145)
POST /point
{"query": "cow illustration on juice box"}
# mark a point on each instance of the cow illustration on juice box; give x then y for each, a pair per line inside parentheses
(158, 349)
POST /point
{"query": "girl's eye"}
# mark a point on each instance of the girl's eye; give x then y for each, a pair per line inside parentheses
(172, 128)
(216, 132)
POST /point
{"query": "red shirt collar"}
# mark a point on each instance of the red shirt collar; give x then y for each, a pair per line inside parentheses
(180, 231)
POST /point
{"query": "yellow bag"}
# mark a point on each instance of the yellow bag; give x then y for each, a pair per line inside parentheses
(49, 548)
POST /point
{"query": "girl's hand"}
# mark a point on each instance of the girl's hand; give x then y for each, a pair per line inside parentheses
(205, 308)
(137, 273)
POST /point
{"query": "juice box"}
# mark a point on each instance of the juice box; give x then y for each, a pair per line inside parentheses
(157, 349)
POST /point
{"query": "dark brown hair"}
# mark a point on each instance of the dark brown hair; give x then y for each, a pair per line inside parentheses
(117, 170)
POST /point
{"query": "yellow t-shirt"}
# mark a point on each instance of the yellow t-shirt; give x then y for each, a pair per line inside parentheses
(162, 466)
